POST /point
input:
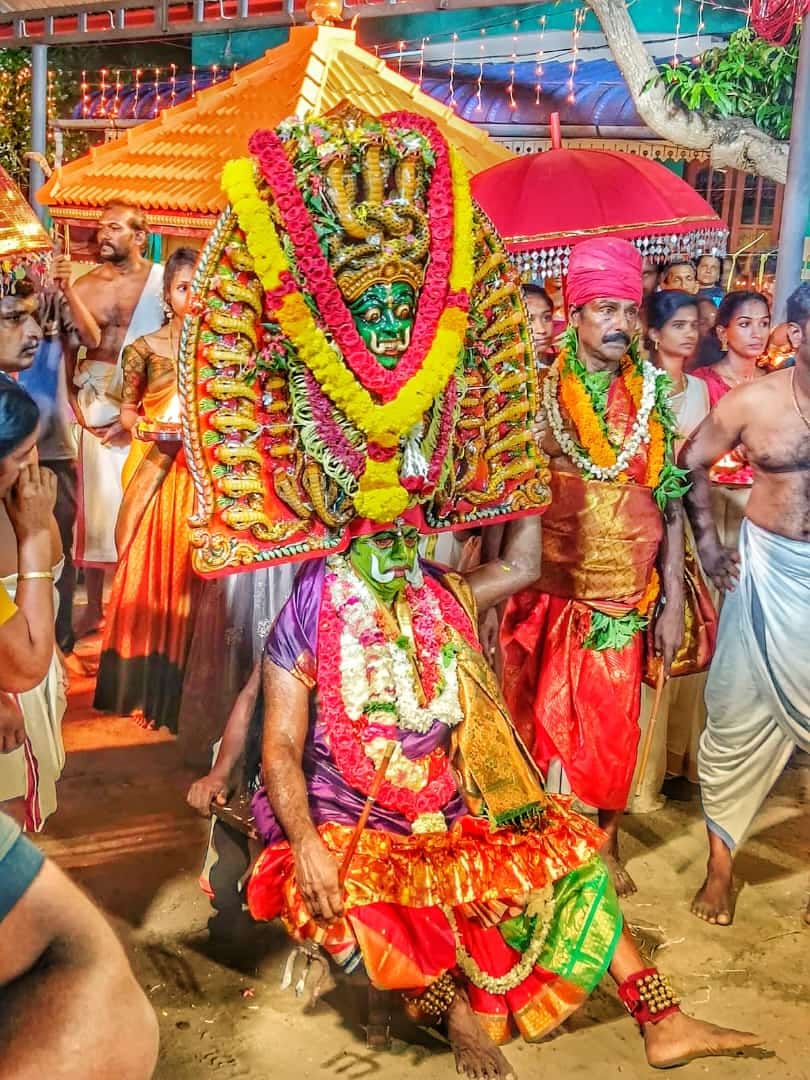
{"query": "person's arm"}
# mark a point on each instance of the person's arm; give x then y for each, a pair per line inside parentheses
(286, 722)
(12, 724)
(516, 567)
(87, 328)
(129, 416)
(669, 622)
(70, 1007)
(218, 784)
(70, 351)
(717, 436)
(134, 362)
(27, 638)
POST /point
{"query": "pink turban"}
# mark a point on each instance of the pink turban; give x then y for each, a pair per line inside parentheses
(603, 267)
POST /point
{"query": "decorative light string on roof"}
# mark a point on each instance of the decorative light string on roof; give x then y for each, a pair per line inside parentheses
(510, 89)
(579, 19)
(538, 88)
(106, 95)
(479, 82)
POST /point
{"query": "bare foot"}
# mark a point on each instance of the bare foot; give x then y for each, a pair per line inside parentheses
(679, 1038)
(714, 900)
(477, 1056)
(622, 882)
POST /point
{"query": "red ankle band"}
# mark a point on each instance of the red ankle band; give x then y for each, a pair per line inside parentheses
(648, 996)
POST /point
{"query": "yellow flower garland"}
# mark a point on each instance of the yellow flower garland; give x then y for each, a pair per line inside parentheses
(380, 495)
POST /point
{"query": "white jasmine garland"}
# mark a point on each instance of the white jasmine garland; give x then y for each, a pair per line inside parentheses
(639, 433)
(375, 671)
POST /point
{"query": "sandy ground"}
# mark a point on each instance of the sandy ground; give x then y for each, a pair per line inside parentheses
(124, 831)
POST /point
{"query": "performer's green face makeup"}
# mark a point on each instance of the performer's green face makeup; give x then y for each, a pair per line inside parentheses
(384, 317)
(386, 560)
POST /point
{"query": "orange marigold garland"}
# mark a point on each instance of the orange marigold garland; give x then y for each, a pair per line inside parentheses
(597, 457)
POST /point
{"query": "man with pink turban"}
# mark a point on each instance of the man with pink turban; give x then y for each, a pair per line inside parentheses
(573, 643)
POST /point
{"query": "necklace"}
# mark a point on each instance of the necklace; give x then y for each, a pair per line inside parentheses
(639, 434)
(796, 399)
(732, 379)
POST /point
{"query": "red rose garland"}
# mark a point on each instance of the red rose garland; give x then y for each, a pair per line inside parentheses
(434, 297)
(345, 738)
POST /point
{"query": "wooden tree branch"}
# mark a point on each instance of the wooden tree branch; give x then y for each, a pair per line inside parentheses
(733, 143)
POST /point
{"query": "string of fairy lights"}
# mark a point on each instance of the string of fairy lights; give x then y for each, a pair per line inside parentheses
(103, 93)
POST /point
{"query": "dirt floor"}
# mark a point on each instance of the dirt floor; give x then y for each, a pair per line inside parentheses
(123, 830)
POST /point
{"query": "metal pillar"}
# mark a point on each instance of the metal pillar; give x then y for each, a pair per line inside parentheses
(796, 206)
(39, 122)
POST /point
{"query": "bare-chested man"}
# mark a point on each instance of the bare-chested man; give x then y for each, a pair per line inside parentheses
(115, 303)
(758, 692)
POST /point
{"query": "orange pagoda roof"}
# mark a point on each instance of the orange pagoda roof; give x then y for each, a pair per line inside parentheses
(170, 167)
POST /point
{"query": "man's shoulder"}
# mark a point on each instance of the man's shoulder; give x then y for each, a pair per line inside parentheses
(752, 396)
(92, 277)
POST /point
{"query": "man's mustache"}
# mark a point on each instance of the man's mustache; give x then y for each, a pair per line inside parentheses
(619, 338)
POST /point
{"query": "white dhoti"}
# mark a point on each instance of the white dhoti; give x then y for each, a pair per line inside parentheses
(99, 395)
(758, 691)
(32, 770)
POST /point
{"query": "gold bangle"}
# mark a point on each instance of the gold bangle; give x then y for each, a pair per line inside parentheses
(36, 575)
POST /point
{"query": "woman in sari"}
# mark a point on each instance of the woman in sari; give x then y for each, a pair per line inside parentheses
(729, 357)
(149, 626)
(672, 318)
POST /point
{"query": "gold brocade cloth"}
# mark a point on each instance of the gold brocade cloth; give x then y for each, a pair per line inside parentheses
(600, 541)
(495, 772)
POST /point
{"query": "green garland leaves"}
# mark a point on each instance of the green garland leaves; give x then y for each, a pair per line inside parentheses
(673, 482)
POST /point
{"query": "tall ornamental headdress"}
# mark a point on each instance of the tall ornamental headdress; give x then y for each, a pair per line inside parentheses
(357, 349)
(25, 247)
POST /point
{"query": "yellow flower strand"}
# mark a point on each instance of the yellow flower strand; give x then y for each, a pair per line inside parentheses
(380, 495)
(387, 423)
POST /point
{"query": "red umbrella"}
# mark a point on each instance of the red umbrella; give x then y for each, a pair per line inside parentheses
(542, 204)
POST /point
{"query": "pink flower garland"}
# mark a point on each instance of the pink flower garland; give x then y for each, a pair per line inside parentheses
(345, 739)
(328, 429)
(445, 431)
(279, 175)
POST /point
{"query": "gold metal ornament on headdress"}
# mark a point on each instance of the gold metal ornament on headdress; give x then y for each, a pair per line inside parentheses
(24, 244)
(385, 232)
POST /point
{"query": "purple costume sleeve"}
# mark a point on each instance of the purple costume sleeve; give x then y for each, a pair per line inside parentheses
(293, 642)
(293, 645)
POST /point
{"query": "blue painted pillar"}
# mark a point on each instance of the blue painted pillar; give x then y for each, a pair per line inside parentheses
(39, 122)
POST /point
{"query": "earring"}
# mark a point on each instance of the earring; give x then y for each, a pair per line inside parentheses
(167, 310)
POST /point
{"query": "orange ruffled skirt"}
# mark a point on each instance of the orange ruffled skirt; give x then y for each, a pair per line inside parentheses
(399, 887)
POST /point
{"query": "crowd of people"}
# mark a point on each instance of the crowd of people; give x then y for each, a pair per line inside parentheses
(671, 500)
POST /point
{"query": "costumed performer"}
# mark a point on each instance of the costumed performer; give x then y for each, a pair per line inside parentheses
(468, 890)
(572, 643)
(112, 305)
(758, 691)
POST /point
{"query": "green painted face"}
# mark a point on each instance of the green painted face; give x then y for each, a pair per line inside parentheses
(386, 560)
(384, 317)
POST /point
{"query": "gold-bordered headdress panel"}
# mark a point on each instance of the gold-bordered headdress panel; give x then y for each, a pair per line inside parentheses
(301, 416)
